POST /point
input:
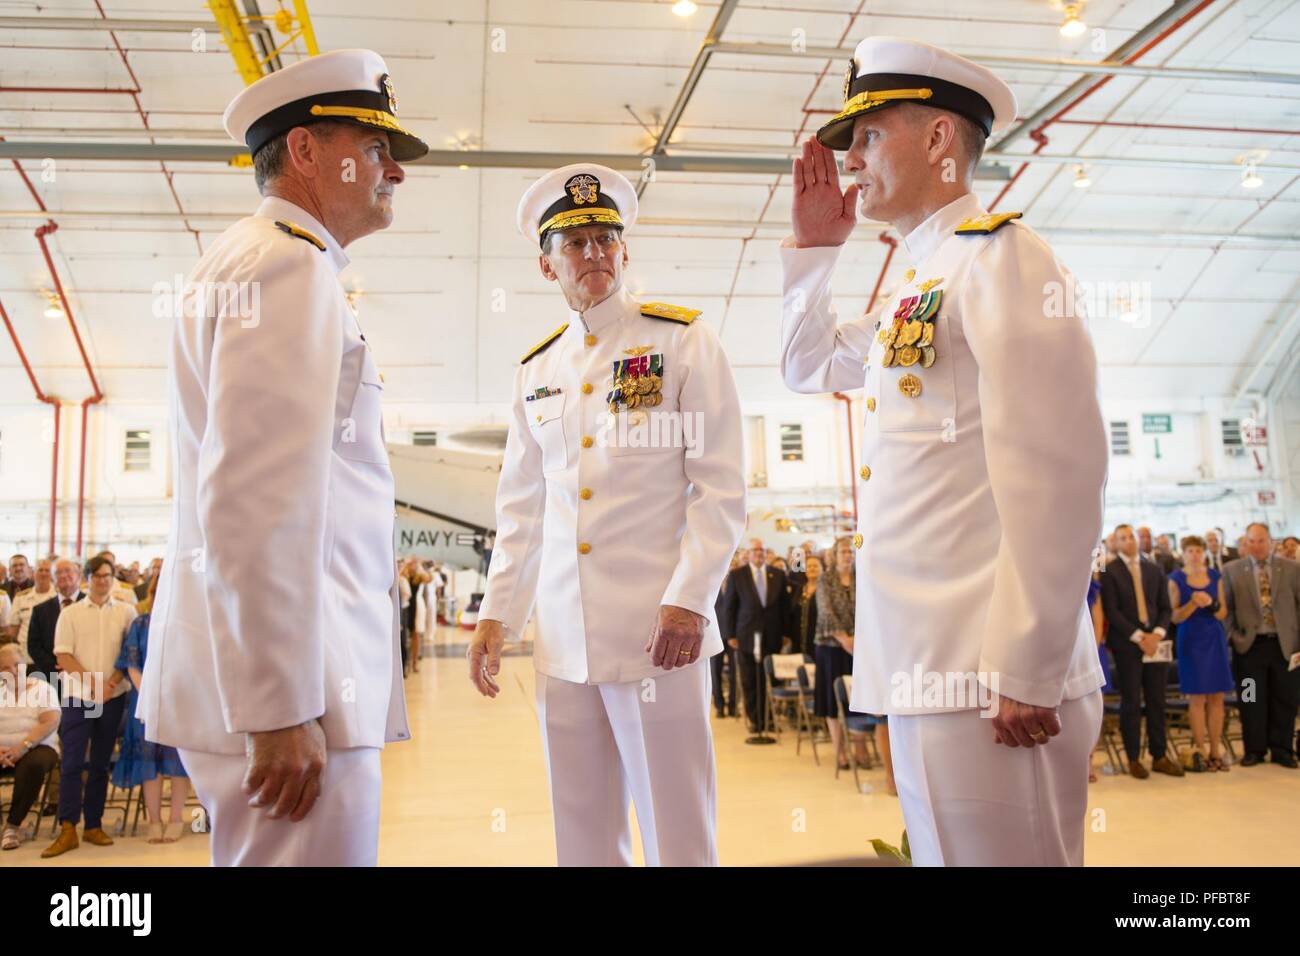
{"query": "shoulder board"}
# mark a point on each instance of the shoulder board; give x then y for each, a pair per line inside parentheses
(300, 232)
(673, 313)
(543, 345)
(983, 225)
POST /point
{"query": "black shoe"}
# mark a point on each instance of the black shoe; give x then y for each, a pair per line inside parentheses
(1251, 759)
(1286, 760)
(751, 727)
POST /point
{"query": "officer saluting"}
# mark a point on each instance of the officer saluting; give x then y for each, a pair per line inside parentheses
(274, 687)
(620, 502)
(983, 464)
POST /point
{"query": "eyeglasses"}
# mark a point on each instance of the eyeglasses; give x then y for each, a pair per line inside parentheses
(102, 576)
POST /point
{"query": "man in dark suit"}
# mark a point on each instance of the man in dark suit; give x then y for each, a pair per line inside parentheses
(1164, 555)
(1217, 554)
(755, 613)
(45, 616)
(725, 660)
(1135, 598)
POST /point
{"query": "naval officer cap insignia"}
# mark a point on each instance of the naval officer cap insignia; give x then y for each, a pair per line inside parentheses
(889, 70)
(583, 194)
(346, 86)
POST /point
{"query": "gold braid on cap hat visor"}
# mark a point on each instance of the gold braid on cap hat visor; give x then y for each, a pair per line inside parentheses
(869, 99)
(373, 117)
(572, 218)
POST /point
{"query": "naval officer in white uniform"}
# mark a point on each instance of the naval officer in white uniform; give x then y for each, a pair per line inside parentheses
(983, 464)
(620, 502)
(273, 654)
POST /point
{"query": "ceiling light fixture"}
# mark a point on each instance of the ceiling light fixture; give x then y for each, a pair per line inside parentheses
(1250, 179)
(1072, 26)
(1081, 178)
(684, 8)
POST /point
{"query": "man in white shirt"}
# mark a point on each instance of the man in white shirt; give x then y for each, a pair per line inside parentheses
(26, 601)
(86, 643)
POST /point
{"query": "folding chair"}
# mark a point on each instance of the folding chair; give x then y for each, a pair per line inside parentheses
(855, 727)
(806, 675)
(781, 672)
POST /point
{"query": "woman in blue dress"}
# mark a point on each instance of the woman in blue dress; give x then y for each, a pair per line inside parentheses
(1204, 667)
(140, 761)
(1099, 632)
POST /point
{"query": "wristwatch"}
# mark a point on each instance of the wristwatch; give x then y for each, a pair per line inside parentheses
(27, 745)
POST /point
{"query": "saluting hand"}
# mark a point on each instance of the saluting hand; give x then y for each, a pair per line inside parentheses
(822, 214)
(484, 656)
(676, 637)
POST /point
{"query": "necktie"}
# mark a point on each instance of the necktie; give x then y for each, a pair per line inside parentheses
(1135, 569)
(67, 601)
(760, 582)
(1266, 598)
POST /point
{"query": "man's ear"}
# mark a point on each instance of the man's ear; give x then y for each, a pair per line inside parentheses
(304, 152)
(545, 265)
(943, 135)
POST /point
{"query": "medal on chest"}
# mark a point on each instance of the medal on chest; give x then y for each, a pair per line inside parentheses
(637, 383)
(909, 338)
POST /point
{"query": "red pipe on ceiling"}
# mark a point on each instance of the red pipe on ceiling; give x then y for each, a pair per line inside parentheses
(1037, 134)
(48, 400)
(41, 233)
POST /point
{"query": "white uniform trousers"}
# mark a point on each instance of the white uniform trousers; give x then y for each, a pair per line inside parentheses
(968, 801)
(648, 738)
(342, 828)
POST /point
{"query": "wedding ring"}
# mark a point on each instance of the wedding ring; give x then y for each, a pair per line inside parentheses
(1039, 736)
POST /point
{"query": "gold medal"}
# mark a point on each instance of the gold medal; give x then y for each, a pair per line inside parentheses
(910, 333)
(909, 385)
(888, 360)
(927, 334)
(884, 334)
(927, 356)
(654, 399)
(633, 401)
(909, 355)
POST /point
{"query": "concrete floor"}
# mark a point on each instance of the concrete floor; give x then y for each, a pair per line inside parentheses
(470, 789)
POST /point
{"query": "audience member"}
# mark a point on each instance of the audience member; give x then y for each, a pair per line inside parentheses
(1262, 593)
(1135, 599)
(142, 763)
(755, 614)
(87, 642)
(29, 738)
(45, 618)
(1204, 669)
(26, 601)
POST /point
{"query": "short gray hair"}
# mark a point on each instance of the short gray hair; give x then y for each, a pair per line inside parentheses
(268, 162)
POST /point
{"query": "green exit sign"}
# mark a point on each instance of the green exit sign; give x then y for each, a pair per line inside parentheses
(1157, 424)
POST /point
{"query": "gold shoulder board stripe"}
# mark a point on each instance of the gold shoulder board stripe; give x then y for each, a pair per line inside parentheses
(983, 225)
(300, 232)
(673, 313)
(541, 346)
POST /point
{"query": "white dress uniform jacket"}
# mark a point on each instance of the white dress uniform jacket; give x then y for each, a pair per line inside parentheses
(981, 498)
(277, 603)
(601, 525)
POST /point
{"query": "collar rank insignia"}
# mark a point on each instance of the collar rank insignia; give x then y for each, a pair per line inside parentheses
(983, 225)
(299, 232)
(543, 345)
(672, 313)
(583, 188)
(638, 383)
